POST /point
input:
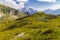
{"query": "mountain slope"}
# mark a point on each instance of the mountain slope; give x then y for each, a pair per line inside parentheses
(11, 13)
(5, 8)
(39, 26)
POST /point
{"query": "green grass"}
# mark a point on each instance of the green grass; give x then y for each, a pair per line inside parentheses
(35, 27)
(39, 26)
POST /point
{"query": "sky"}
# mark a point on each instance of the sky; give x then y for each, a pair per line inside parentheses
(39, 5)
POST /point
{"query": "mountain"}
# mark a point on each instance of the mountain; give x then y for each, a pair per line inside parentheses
(11, 12)
(50, 11)
(29, 10)
(57, 11)
(39, 26)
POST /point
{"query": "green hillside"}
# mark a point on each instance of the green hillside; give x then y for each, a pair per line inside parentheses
(39, 26)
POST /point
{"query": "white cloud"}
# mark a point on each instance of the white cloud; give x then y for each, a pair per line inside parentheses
(21, 4)
(54, 7)
(13, 4)
(9, 3)
(22, 0)
(41, 9)
(48, 0)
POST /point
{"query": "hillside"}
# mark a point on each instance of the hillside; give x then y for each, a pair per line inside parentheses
(5, 9)
(39, 26)
(10, 13)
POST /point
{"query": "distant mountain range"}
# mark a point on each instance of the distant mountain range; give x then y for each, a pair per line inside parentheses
(29, 10)
(32, 11)
(50, 11)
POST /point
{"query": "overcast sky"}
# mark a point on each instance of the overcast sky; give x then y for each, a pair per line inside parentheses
(40, 5)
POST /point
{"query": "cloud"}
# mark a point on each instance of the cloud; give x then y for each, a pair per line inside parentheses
(9, 3)
(13, 4)
(55, 6)
(48, 0)
(21, 4)
(22, 0)
(41, 9)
